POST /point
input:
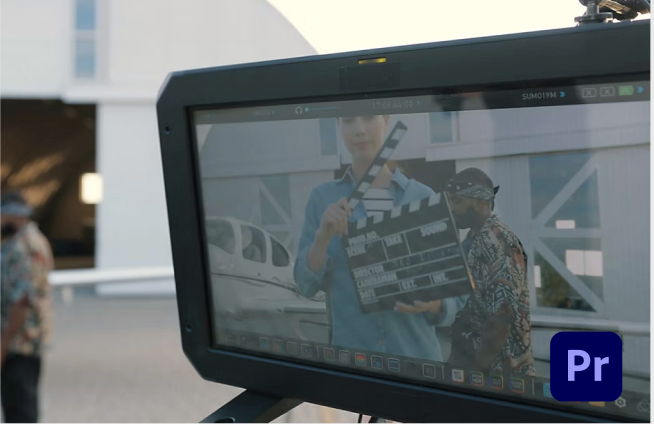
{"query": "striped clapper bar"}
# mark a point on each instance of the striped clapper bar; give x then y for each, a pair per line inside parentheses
(380, 160)
(411, 252)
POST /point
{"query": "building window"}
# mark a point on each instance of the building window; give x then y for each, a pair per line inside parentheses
(568, 262)
(581, 209)
(85, 43)
(275, 200)
(553, 289)
(565, 224)
(584, 262)
(328, 139)
(549, 174)
(91, 188)
(440, 127)
(275, 207)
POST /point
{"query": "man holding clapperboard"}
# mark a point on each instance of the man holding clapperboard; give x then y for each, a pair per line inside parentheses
(385, 250)
(322, 263)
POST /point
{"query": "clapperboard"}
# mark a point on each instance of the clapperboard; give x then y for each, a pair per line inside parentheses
(410, 253)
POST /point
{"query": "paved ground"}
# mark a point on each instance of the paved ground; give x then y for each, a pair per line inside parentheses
(120, 360)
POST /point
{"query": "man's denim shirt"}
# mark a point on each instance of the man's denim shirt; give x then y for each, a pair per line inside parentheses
(388, 332)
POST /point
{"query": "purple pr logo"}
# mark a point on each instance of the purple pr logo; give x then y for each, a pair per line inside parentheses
(586, 366)
(573, 367)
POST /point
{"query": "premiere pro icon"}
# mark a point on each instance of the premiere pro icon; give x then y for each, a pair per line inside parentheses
(586, 366)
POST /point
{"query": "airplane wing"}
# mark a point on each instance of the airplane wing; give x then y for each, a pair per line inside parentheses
(267, 307)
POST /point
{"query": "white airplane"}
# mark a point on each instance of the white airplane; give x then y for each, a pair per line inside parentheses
(253, 289)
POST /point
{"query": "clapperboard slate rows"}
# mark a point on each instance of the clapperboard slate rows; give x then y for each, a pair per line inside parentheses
(411, 252)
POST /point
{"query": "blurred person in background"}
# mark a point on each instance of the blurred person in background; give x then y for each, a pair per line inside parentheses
(26, 261)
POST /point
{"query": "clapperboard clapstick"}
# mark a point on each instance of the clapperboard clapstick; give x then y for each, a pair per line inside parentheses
(377, 164)
(411, 252)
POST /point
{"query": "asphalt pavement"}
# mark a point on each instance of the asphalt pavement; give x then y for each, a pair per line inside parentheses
(120, 360)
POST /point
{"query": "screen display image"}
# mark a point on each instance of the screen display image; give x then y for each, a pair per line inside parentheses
(440, 239)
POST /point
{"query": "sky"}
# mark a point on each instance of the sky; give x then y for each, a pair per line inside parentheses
(347, 25)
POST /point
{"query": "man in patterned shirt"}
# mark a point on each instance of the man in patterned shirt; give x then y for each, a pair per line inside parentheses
(26, 261)
(492, 333)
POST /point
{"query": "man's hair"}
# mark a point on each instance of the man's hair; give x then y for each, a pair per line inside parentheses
(475, 176)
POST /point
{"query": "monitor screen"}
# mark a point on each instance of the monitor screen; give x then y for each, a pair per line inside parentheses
(437, 238)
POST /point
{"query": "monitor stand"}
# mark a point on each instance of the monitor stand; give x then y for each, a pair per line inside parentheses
(252, 407)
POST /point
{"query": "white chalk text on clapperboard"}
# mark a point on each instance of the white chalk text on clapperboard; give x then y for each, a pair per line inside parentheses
(407, 259)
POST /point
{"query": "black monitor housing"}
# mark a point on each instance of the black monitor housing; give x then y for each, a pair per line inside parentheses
(559, 57)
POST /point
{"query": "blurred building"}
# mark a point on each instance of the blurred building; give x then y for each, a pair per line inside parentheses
(79, 84)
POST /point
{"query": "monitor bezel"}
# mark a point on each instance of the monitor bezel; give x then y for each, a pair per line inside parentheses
(423, 67)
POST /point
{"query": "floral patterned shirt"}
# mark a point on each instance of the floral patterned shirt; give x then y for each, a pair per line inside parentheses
(498, 265)
(26, 262)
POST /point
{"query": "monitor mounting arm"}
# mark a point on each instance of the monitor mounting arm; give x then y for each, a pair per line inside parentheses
(252, 407)
(603, 11)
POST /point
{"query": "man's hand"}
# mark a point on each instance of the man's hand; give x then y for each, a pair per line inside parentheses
(334, 221)
(419, 307)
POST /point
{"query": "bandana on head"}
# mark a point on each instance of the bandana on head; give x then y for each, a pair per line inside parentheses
(16, 209)
(475, 191)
